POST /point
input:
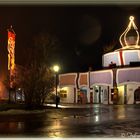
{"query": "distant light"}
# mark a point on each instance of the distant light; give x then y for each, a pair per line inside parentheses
(96, 118)
(18, 97)
(56, 68)
(19, 88)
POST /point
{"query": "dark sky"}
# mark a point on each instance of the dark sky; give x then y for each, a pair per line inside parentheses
(82, 30)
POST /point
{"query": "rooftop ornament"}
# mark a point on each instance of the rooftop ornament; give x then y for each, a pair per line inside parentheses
(129, 39)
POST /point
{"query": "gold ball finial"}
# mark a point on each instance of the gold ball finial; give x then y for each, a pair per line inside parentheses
(131, 18)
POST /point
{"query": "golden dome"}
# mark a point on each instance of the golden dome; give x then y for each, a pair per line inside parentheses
(129, 39)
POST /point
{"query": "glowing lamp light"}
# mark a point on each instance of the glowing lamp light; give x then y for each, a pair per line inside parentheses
(56, 68)
(19, 89)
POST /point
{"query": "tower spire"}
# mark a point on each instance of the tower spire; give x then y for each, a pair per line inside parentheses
(130, 37)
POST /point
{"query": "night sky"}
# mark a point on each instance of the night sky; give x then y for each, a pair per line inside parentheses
(83, 31)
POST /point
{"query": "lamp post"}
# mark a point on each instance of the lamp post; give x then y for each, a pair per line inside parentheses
(56, 69)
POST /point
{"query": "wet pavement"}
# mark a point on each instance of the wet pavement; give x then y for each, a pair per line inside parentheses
(74, 121)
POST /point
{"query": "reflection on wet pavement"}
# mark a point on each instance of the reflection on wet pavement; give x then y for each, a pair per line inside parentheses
(94, 121)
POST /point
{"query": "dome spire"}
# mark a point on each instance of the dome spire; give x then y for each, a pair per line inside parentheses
(130, 37)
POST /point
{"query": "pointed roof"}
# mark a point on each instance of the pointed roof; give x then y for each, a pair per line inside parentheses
(11, 29)
(129, 39)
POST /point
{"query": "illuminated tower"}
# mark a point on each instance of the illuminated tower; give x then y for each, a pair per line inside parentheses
(11, 55)
(129, 39)
(129, 52)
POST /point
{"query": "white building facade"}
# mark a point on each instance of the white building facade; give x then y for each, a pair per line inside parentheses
(117, 83)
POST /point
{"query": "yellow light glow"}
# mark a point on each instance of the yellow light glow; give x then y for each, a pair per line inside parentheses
(11, 55)
(56, 68)
(131, 18)
(121, 94)
(123, 40)
(65, 88)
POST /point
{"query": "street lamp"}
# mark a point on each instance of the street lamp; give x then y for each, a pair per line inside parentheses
(56, 69)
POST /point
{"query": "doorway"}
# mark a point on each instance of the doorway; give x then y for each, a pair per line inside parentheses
(120, 95)
(98, 94)
(83, 96)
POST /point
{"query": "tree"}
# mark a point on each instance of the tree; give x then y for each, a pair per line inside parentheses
(35, 77)
(37, 83)
(38, 79)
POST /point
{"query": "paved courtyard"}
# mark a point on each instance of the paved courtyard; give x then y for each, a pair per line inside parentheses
(75, 121)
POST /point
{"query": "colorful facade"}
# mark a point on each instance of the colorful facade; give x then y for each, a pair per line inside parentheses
(117, 83)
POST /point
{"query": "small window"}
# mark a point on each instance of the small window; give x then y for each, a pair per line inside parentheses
(61, 95)
(65, 96)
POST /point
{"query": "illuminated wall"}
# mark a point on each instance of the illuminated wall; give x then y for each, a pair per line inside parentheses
(130, 49)
(120, 94)
(130, 92)
(104, 77)
(67, 79)
(122, 57)
(67, 94)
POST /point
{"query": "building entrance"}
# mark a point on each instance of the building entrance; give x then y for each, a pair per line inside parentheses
(83, 96)
(98, 94)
